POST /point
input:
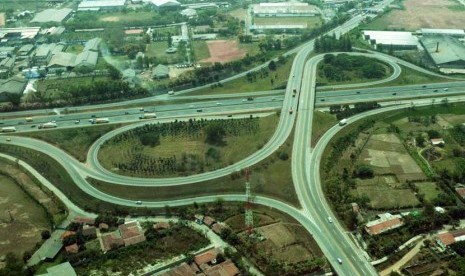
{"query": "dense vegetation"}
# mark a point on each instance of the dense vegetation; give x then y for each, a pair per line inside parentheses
(343, 67)
(328, 43)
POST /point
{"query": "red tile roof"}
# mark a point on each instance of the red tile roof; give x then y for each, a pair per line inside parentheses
(134, 240)
(226, 268)
(217, 228)
(103, 225)
(206, 257)
(161, 225)
(460, 191)
(73, 248)
(208, 220)
(89, 231)
(111, 240)
(384, 226)
(447, 238)
(83, 220)
(67, 234)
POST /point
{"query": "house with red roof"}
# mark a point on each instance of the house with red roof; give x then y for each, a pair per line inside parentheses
(384, 223)
(448, 238)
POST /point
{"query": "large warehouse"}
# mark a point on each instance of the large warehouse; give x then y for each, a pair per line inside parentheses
(450, 32)
(96, 5)
(387, 39)
(445, 51)
(284, 9)
(52, 15)
(165, 4)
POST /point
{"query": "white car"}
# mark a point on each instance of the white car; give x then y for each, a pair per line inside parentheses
(218, 103)
(339, 260)
(139, 202)
(330, 220)
(244, 100)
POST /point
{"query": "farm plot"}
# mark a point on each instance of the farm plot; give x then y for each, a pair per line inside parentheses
(223, 51)
(429, 189)
(29, 219)
(422, 14)
(184, 148)
(386, 154)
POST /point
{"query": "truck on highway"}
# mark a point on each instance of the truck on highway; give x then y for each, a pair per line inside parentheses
(100, 121)
(148, 116)
(290, 110)
(48, 125)
(343, 122)
(8, 129)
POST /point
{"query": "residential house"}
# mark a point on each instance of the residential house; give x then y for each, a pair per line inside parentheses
(12, 86)
(111, 241)
(385, 223)
(72, 249)
(85, 220)
(206, 258)
(131, 233)
(103, 226)
(218, 228)
(437, 142)
(165, 4)
(89, 231)
(6, 67)
(226, 268)
(460, 191)
(160, 72)
(67, 234)
(451, 237)
(208, 221)
(6, 52)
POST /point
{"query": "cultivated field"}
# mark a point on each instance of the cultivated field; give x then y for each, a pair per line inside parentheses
(126, 16)
(429, 189)
(422, 14)
(386, 154)
(29, 219)
(223, 51)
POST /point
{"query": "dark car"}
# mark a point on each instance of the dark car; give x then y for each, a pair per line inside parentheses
(394, 94)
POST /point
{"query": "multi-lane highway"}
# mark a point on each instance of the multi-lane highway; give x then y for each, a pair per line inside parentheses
(305, 161)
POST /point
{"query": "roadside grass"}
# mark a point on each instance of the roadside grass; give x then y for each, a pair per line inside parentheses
(200, 49)
(271, 177)
(75, 141)
(410, 76)
(312, 22)
(235, 149)
(53, 87)
(429, 189)
(29, 218)
(262, 83)
(322, 121)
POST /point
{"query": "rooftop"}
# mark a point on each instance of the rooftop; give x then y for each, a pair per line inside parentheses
(384, 223)
(454, 32)
(285, 7)
(13, 85)
(451, 237)
(206, 257)
(92, 4)
(460, 191)
(93, 44)
(449, 49)
(62, 59)
(52, 15)
(181, 270)
(25, 33)
(391, 37)
(86, 58)
(165, 3)
(63, 269)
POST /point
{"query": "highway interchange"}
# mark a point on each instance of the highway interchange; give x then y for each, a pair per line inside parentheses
(315, 211)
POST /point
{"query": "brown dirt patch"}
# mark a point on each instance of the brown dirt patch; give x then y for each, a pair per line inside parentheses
(110, 19)
(2, 19)
(224, 51)
(426, 14)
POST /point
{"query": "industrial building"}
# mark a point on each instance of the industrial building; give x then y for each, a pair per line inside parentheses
(52, 15)
(449, 32)
(97, 5)
(11, 86)
(26, 33)
(445, 51)
(391, 40)
(278, 28)
(284, 9)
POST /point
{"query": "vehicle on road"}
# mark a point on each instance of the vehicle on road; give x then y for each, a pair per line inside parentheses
(126, 113)
(218, 103)
(230, 115)
(148, 116)
(100, 121)
(290, 110)
(273, 99)
(343, 122)
(141, 109)
(77, 122)
(33, 126)
(199, 110)
(250, 99)
(339, 260)
(330, 220)
(424, 86)
(8, 139)
(139, 202)
(191, 106)
(29, 119)
(394, 94)
(51, 124)
(244, 100)
(93, 116)
(322, 100)
(8, 129)
(358, 92)
(435, 90)
(294, 92)
(445, 89)
(171, 93)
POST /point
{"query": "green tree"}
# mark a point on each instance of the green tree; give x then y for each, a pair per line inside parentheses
(150, 139)
(215, 134)
(272, 65)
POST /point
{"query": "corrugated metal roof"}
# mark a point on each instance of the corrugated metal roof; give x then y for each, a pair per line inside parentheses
(450, 49)
(391, 37)
(86, 58)
(454, 32)
(52, 15)
(92, 4)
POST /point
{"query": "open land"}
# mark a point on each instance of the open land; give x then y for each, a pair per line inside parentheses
(200, 49)
(29, 219)
(131, 16)
(430, 190)
(235, 149)
(223, 51)
(157, 49)
(446, 14)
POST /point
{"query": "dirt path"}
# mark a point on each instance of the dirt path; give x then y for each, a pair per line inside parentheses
(400, 263)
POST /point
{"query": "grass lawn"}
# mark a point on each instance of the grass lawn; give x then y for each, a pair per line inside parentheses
(429, 189)
(251, 48)
(312, 22)
(236, 148)
(322, 121)
(280, 77)
(54, 85)
(76, 141)
(410, 76)
(157, 49)
(200, 49)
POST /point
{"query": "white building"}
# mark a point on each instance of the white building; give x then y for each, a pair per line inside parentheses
(449, 32)
(165, 4)
(96, 5)
(284, 9)
(396, 40)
